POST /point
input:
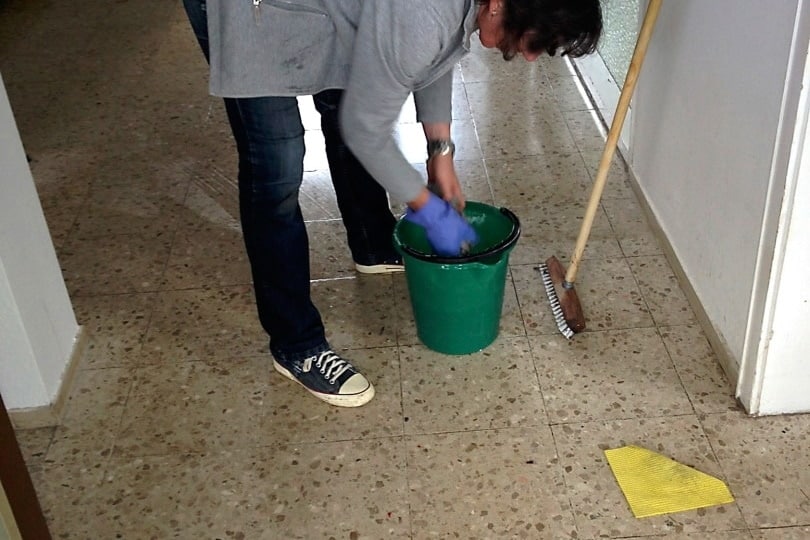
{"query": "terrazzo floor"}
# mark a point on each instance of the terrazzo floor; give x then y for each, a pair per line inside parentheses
(177, 426)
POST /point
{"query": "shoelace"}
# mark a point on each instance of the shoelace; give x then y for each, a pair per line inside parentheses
(329, 364)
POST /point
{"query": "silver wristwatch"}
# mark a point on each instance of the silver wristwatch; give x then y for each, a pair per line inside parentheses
(441, 147)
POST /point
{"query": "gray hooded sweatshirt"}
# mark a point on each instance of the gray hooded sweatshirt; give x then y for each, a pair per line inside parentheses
(379, 51)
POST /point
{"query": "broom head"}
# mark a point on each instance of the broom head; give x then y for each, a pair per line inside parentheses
(563, 298)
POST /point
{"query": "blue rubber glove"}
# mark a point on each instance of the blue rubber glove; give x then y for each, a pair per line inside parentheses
(446, 229)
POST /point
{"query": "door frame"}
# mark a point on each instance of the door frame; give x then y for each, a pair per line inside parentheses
(25, 512)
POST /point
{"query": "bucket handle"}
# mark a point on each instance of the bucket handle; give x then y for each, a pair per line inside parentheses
(497, 249)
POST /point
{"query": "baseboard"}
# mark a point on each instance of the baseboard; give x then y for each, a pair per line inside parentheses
(51, 415)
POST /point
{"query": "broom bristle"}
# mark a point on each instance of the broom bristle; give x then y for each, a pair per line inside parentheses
(564, 301)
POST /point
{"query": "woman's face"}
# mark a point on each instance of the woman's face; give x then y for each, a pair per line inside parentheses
(490, 24)
(492, 34)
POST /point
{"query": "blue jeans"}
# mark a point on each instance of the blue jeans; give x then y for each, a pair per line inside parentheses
(270, 143)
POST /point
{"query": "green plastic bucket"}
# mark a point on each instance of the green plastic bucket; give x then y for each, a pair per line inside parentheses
(457, 301)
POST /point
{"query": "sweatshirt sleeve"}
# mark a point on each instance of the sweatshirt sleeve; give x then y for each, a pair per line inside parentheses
(434, 102)
(392, 49)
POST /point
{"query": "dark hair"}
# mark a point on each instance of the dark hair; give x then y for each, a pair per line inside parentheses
(573, 26)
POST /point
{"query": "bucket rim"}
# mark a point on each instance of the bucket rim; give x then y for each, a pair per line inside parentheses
(497, 249)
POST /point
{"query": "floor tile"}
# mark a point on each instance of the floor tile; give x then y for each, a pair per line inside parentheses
(331, 490)
(207, 258)
(617, 183)
(570, 94)
(156, 497)
(64, 172)
(767, 465)
(634, 234)
(486, 484)
(177, 49)
(474, 181)
(533, 301)
(591, 145)
(600, 507)
(149, 208)
(265, 493)
(194, 407)
(92, 416)
(27, 99)
(34, 443)
(587, 130)
(608, 375)
(555, 66)
(511, 321)
(63, 177)
(461, 104)
(329, 254)
(356, 311)
(116, 264)
(60, 215)
(529, 135)
(740, 534)
(786, 533)
(661, 290)
(212, 199)
(197, 132)
(358, 491)
(116, 325)
(119, 111)
(607, 292)
(78, 51)
(292, 415)
(204, 324)
(49, 128)
(536, 180)
(705, 381)
(551, 229)
(610, 296)
(494, 99)
(124, 173)
(317, 196)
(491, 389)
(406, 322)
(62, 489)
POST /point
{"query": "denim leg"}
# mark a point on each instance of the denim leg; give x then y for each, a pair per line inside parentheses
(195, 10)
(363, 203)
(270, 140)
(270, 143)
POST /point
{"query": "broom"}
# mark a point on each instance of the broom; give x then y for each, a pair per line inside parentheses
(558, 282)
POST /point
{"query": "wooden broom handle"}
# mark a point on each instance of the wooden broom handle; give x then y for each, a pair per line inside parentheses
(613, 136)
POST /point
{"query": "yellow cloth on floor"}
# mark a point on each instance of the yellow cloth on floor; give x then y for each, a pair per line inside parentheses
(654, 484)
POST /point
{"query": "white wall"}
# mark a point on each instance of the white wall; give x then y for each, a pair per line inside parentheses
(706, 114)
(37, 325)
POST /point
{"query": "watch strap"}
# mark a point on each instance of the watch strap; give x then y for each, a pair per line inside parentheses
(441, 147)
